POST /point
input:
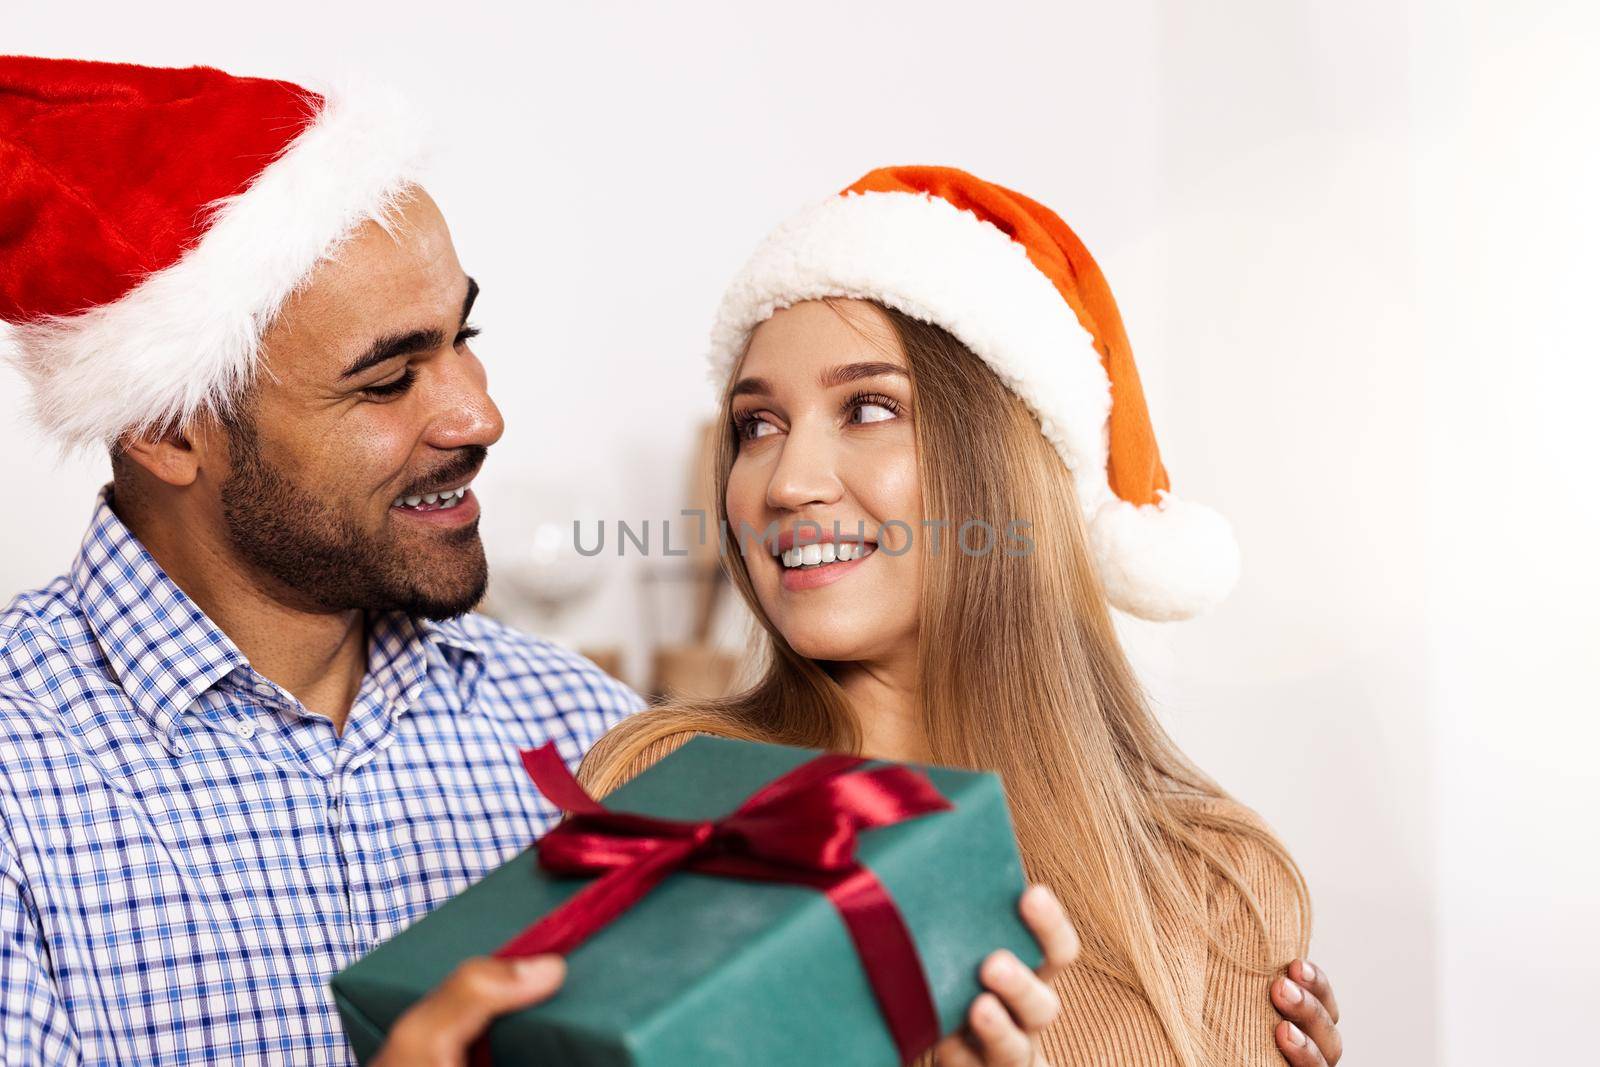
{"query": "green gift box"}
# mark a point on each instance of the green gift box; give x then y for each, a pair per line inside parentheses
(717, 970)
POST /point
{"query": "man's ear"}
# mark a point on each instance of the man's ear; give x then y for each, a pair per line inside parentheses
(176, 457)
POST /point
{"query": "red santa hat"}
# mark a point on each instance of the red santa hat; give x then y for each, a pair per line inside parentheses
(1009, 279)
(153, 221)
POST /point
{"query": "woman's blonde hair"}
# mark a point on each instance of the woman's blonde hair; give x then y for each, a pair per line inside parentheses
(1021, 673)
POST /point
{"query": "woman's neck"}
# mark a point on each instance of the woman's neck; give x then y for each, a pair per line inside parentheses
(883, 696)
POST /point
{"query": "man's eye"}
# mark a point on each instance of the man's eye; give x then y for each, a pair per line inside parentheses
(392, 388)
(467, 333)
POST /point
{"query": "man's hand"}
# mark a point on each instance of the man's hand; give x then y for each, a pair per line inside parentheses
(439, 1029)
(1003, 1025)
(1309, 1034)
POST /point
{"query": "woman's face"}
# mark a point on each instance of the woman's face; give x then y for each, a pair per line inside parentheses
(826, 461)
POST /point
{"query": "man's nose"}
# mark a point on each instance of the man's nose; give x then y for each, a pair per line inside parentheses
(466, 415)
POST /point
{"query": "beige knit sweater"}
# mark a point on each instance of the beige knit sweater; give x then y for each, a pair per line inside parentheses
(1103, 1022)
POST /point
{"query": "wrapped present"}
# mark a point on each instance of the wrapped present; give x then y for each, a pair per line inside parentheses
(735, 904)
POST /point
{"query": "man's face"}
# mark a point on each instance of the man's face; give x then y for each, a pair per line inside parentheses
(369, 403)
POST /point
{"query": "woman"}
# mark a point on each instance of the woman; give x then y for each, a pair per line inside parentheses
(940, 472)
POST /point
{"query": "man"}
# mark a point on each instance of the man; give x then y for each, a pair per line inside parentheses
(254, 730)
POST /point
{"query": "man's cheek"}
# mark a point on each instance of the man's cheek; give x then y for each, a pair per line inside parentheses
(363, 473)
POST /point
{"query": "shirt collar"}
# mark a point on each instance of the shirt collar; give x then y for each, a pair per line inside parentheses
(450, 641)
(451, 633)
(166, 652)
(163, 649)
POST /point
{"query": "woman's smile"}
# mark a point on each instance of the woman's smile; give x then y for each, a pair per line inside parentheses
(815, 565)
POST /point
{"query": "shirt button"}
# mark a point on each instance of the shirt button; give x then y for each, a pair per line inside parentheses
(245, 728)
(262, 689)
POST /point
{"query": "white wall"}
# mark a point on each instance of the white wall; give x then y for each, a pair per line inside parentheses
(1289, 203)
(1506, 211)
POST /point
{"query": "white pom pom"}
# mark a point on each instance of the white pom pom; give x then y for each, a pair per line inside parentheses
(1166, 561)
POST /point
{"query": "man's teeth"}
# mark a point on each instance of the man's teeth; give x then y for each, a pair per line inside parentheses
(435, 501)
(827, 552)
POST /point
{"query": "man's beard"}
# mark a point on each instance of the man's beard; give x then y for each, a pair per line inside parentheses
(296, 538)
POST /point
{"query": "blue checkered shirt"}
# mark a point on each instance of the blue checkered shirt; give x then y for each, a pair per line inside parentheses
(187, 854)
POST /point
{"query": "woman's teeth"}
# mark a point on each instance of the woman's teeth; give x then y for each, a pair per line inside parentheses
(827, 552)
(433, 501)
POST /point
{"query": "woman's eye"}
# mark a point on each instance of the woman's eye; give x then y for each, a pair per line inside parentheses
(757, 427)
(869, 412)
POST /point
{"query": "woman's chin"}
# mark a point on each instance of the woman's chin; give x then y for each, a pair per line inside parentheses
(829, 644)
(829, 653)
(860, 628)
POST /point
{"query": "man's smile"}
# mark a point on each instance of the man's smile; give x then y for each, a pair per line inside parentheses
(443, 500)
(453, 507)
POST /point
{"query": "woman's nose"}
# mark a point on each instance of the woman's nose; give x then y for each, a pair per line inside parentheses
(806, 474)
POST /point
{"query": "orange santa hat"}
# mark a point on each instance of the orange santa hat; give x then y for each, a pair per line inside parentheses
(1012, 282)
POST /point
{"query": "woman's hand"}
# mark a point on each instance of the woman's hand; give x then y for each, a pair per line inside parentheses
(439, 1029)
(1003, 1024)
(1309, 1033)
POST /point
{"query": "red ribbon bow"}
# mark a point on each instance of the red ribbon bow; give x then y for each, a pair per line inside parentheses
(800, 829)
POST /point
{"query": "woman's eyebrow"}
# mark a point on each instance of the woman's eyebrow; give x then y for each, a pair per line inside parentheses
(832, 378)
(745, 386)
(846, 373)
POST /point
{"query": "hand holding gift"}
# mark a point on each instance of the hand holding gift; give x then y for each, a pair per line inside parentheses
(1003, 1023)
(439, 1030)
(744, 903)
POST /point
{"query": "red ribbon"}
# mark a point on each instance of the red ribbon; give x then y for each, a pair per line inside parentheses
(800, 829)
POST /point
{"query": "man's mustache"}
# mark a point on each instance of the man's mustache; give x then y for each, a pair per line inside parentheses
(466, 463)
